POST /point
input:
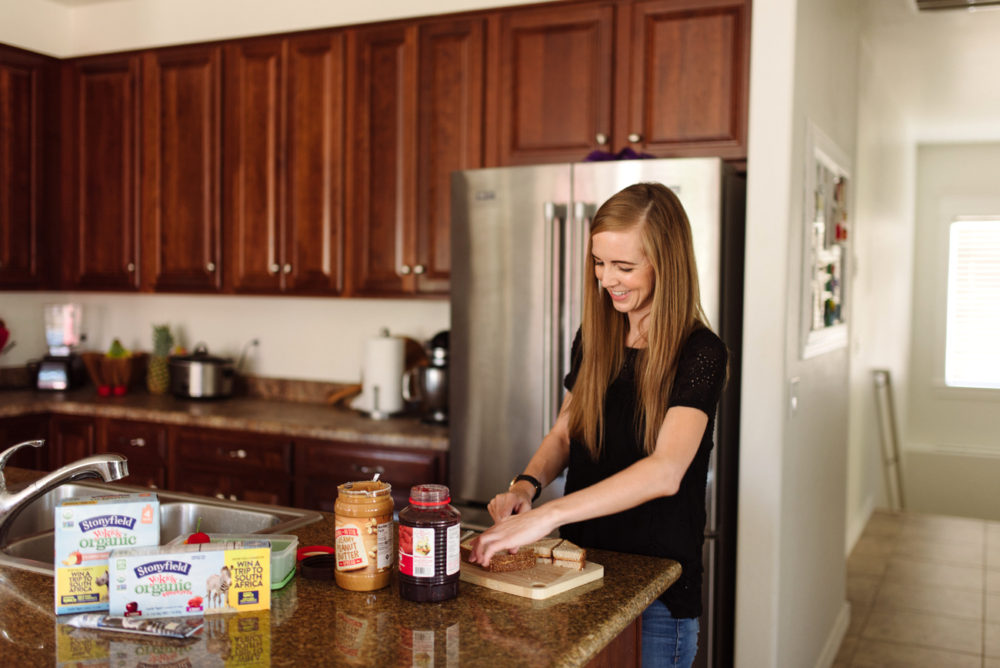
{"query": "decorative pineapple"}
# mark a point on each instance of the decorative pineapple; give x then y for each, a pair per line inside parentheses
(158, 373)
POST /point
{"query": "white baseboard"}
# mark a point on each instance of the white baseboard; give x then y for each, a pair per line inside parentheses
(856, 525)
(836, 637)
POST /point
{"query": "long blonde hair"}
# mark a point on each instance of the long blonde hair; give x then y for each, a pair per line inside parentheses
(675, 312)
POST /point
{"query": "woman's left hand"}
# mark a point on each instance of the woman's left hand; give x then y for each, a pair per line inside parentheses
(511, 533)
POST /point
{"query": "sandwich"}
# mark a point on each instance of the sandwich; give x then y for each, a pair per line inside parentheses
(568, 555)
(543, 549)
(503, 561)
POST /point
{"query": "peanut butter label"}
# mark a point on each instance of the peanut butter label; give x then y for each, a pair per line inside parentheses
(350, 546)
(363, 544)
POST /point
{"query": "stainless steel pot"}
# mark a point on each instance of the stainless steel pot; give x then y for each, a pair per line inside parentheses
(201, 376)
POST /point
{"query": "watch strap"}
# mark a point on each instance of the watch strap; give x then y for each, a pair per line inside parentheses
(533, 480)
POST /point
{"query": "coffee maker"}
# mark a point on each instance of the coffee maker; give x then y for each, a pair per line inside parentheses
(61, 368)
(431, 382)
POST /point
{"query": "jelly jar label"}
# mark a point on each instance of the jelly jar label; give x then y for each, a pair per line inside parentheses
(416, 551)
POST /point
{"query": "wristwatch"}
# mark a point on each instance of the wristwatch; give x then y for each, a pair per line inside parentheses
(532, 479)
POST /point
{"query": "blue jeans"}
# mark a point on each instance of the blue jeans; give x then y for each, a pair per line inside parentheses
(667, 642)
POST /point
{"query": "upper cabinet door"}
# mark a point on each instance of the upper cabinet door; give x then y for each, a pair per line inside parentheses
(253, 146)
(21, 97)
(313, 241)
(181, 169)
(555, 84)
(102, 178)
(450, 132)
(381, 157)
(689, 71)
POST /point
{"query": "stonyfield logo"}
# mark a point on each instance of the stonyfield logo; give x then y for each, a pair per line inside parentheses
(106, 521)
(166, 566)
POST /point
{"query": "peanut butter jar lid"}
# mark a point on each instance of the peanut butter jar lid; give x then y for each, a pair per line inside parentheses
(364, 488)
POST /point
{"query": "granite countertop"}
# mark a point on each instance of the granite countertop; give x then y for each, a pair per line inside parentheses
(270, 416)
(313, 622)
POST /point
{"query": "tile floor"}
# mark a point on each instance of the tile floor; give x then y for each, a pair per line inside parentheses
(924, 591)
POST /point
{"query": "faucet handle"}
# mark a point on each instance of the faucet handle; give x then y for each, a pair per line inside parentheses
(9, 452)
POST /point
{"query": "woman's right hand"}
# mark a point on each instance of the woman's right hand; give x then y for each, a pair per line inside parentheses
(506, 504)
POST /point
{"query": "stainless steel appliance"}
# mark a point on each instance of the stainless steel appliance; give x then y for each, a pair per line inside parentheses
(430, 383)
(61, 368)
(201, 376)
(518, 239)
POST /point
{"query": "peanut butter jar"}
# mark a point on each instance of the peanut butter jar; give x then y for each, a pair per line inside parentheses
(363, 535)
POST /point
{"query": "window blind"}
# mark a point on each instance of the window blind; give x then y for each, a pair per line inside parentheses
(972, 336)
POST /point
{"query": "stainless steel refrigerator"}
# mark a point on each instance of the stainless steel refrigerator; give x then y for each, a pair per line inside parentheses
(518, 239)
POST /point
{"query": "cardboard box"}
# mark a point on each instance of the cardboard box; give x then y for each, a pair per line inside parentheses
(201, 579)
(86, 530)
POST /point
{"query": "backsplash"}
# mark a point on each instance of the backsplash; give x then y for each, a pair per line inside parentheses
(309, 339)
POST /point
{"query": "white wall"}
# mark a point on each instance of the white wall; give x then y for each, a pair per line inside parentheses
(791, 607)
(882, 286)
(119, 25)
(953, 434)
(318, 338)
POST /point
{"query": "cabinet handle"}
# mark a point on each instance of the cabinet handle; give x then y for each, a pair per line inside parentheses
(210, 266)
(368, 470)
(288, 269)
(419, 269)
(233, 497)
(602, 139)
(152, 486)
(130, 267)
(220, 495)
(635, 137)
(238, 454)
(138, 442)
(405, 269)
(273, 269)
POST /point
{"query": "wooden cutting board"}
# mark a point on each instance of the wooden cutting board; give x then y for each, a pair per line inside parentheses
(537, 582)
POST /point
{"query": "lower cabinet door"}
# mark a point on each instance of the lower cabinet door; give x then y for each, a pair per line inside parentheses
(253, 486)
(144, 444)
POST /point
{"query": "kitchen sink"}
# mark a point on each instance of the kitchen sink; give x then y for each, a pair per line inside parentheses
(30, 543)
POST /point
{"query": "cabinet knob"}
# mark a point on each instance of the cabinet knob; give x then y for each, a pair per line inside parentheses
(138, 442)
(210, 266)
(233, 497)
(288, 269)
(419, 269)
(130, 267)
(635, 137)
(238, 454)
(153, 486)
(405, 270)
(601, 139)
(220, 495)
(369, 470)
(273, 269)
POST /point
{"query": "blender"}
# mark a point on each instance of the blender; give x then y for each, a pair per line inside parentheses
(61, 368)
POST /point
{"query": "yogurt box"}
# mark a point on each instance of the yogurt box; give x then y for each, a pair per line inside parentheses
(199, 579)
(86, 530)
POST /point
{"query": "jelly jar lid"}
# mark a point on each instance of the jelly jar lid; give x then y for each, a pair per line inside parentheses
(429, 495)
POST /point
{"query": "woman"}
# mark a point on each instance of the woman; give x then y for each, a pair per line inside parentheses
(635, 428)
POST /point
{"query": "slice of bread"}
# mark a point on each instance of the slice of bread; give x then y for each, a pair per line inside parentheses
(503, 561)
(565, 563)
(570, 554)
(543, 548)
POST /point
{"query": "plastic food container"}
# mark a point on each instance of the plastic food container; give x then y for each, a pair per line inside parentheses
(283, 552)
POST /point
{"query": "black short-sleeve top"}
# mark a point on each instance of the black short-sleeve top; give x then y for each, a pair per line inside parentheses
(671, 526)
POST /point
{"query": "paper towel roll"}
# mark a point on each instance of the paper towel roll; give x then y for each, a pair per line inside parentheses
(382, 377)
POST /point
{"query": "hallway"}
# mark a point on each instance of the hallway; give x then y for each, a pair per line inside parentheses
(924, 591)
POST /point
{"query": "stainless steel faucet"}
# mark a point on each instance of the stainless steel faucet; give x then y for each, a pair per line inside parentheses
(106, 466)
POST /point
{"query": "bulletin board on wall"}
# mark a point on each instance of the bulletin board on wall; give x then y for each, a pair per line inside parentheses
(826, 257)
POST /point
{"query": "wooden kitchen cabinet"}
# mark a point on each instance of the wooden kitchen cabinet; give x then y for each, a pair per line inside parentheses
(235, 465)
(320, 466)
(553, 99)
(687, 75)
(14, 430)
(144, 444)
(181, 169)
(415, 103)
(24, 79)
(284, 151)
(71, 437)
(101, 179)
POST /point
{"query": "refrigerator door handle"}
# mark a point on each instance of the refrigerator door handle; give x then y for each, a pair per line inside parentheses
(555, 222)
(577, 235)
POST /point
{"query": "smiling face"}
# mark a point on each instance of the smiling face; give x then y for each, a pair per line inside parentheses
(624, 271)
